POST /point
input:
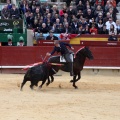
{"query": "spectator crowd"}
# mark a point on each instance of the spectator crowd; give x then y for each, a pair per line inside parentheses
(84, 17)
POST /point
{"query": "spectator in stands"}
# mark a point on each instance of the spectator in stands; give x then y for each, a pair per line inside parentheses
(87, 31)
(80, 6)
(15, 14)
(83, 23)
(49, 24)
(118, 4)
(5, 12)
(106, 18)
(63, 11)
(99, 17)
(112, 29)
(37, 12)
(55, 17)
(113, 3)
(30, 20)
(21, 41)
(57, 22)
(66, 17)
(43, 29)
(54, 27)
(74, 26)
(79, 14)
(47, 17)
(92, 21)
(68, 2)
(67, 28)
(39, 36)
(99, 2)
(71, 11)
(100, 26)
(55, 10)
(104, 31)
(107, 6)
(46, 6)
(23, 6)
(9, 5)
(118, 26)
(80, 30)
(112, 37)
(98, 11)
(89, 14)
(113, 12)
(51, 36)
(108, 23)
(10, 43)
(93, 30)
(60, 29)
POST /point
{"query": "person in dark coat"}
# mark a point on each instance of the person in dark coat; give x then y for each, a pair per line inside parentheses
(15, 13)
(51, 36)
(112, 37)
(60, 47)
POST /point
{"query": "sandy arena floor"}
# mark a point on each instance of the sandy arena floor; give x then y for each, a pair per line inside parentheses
(98, 98)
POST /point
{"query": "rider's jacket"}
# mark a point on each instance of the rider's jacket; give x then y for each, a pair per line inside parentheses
(62, 48)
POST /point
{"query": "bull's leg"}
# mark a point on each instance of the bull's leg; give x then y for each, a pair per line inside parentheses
(24, 81)
(42, 83)
(32, 84)
(48, 81)
(52, 78)
(74, 81)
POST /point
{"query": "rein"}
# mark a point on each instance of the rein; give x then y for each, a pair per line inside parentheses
(78, 51)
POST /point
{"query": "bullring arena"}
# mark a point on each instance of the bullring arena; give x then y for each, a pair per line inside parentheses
(98, 97)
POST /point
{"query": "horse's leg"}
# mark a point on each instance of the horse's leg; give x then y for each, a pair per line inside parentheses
(48, 81)
(78, 77)
(44, 80)
(74, 81)
(74, 77)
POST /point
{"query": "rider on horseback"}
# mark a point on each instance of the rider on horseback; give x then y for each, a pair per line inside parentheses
(66, 53)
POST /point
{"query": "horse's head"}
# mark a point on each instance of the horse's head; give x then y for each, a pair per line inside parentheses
(85, 51)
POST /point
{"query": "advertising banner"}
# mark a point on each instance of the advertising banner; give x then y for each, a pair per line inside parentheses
(7, 26)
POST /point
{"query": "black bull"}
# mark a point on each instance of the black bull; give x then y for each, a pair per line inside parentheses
(36, 74)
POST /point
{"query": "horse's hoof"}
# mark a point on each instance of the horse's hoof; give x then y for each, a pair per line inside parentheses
(71, 81)
(76, 87)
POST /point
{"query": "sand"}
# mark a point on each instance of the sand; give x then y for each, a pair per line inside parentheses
(98, 98)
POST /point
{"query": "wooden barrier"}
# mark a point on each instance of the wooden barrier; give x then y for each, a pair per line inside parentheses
(84, 37)
(101, 43)
(21, 56)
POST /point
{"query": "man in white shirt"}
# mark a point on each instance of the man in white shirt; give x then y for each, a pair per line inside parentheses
(109, 22)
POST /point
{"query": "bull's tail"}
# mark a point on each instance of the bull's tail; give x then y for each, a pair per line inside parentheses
(23, 83)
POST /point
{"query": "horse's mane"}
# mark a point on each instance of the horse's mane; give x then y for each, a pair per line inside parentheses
(79, 50)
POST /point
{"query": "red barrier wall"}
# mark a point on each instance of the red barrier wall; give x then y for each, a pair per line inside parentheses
(20, 56)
